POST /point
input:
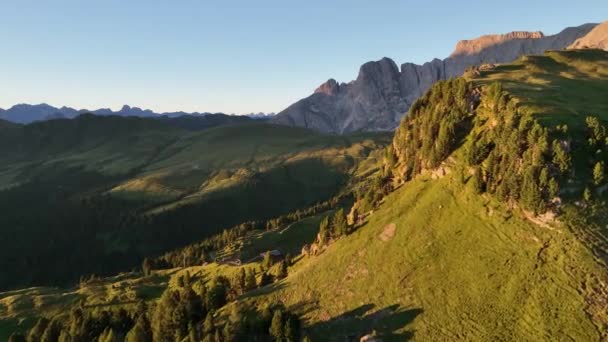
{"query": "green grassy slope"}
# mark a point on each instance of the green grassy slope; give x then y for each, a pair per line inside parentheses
(126, 188)
(19, 309)
(560, 87)
(439, 259)
(457, 267)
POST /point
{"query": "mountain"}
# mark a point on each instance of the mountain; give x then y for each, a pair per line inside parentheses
(26, 113)
(497, 217)
(143, 186)
(596, 39)
(382, 93)
(484, 219)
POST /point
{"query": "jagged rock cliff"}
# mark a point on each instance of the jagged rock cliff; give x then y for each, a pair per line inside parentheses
(596, 39)
(382, 94)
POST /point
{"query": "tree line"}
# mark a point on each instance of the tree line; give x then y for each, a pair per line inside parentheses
(188, 312)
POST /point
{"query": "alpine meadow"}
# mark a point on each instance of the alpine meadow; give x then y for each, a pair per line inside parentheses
(462, 199)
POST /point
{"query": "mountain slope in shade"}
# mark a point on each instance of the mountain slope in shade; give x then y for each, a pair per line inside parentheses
(382, 93)
(27, 113)
(596, 39)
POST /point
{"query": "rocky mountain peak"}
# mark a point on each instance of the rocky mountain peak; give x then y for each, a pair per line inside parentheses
(381, 94)
(330, 87)
(595, 39)
(473, 46)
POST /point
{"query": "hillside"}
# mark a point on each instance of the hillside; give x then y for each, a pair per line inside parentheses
(486, 222)
(126, 188)
(496, 231)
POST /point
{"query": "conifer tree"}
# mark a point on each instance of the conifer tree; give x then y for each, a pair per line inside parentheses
(267, 261)
(141, 331)
(208, 326)
(324, 231)
(598, 173)
(250, 281)
(277, 326)
(339, 226)
(16, 337)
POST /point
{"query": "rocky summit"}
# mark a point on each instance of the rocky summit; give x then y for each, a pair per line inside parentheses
(382, 92)
(596, 39)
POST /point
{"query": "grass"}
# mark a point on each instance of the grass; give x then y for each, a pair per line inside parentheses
(20, 308)
(288, 239)
(458, 268)
(559, 87)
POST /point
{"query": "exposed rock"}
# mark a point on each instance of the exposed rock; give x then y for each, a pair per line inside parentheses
(388, 233)
(382, 94)
(370, 338)
(596, 39)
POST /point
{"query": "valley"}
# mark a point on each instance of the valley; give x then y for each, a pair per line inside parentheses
(481, 217)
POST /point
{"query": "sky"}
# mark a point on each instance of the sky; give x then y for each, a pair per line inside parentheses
(236, 56)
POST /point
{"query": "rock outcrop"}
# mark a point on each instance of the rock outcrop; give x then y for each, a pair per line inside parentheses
(596, 39)
(382, 93)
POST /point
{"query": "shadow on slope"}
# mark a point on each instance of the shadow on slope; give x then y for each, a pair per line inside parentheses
(387, 323)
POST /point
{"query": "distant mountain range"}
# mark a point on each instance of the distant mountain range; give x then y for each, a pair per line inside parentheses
(27, 113)
(382, 93)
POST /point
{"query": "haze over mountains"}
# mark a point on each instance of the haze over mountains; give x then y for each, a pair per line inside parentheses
(482, 217)
(26, 113)
(382, 92)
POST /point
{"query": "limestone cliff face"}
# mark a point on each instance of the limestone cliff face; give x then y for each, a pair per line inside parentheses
(596, 39)
(382, 93)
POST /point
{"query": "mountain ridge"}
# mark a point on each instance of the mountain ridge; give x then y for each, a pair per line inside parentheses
(382, 93)
(26, 113)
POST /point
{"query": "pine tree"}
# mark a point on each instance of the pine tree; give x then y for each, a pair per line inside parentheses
(192, 333)
(324, 231)
(265, 279)
(147, 267)
(187, 280)
(292, 329)
(250, 282)
(141, 331)
(598, 173)
(553, 188)
(217, 294)
(282, 269)
(208, 326)
(64, 336)
(560, 157)
(109, 335)
(228, 333)
(267, 262)
(277, 326)
(242, 281)
(288, 259)
(587, 195)
(16, 337)
(477, 181)
(339, 225)
(52, 331)
(35, 334)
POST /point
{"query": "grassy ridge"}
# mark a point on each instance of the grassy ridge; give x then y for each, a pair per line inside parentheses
(457, 267)
(559, 87)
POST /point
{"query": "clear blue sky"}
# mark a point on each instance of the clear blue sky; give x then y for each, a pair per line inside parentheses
(235, 56)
